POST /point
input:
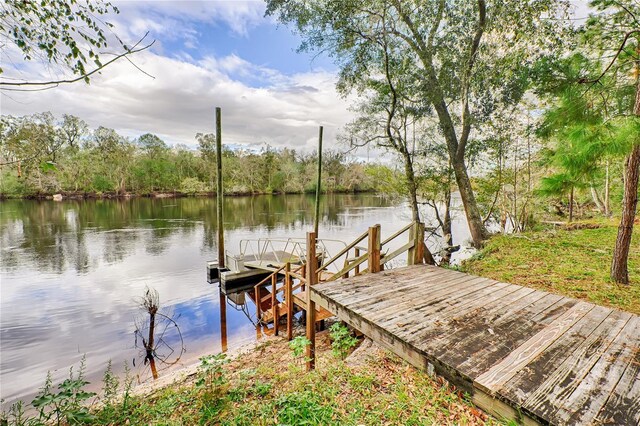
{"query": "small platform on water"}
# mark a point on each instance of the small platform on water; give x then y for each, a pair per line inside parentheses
(521, 353)
(244, 271)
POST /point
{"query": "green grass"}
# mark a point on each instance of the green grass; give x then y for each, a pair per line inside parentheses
(574, 263)
(269, 387)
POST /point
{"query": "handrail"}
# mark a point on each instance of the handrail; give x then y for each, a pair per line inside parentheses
(261, 247)
(343, 251)
(396, 253)
(371, 254)
(352, 265)
(397, 234)
(269, 276)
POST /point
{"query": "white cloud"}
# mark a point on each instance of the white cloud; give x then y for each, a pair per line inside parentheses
(260, 104)
(179, 102)
(175, 20)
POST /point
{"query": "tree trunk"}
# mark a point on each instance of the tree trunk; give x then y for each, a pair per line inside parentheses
(619, 267)
(607, 203)
(413, 198)
(476, 227)
(571, 205)
(446, 229)
(412, 186)
(596, 199)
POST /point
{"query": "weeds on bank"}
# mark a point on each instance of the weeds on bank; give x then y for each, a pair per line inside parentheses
(268, 386)
(342, 340)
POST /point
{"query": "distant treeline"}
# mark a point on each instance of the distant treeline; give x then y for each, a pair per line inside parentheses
(40, 155)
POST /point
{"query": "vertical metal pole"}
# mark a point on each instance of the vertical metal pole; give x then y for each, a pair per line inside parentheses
(311, 306)
(219, 191)
(316, 218)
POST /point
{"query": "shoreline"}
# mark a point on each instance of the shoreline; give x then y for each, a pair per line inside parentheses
(80, 195)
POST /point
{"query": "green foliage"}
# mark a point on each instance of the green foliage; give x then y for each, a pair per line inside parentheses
(67, 404)
(303, 408)
(211, 372)
(11, 184)
(262, 389)
(111, 385)
(299, 345)
(102, 161)
(342, 342)
(67, 32)
(192, 186)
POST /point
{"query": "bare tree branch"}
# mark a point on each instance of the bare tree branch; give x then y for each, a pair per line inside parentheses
(42, 85)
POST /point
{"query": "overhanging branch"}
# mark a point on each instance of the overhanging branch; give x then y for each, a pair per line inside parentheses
(29, 86)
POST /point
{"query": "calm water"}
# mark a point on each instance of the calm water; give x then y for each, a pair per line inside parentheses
(72, 274)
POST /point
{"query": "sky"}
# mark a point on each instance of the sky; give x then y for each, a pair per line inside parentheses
(206, 54)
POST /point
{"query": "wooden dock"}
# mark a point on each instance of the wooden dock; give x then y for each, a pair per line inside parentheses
(521, 353)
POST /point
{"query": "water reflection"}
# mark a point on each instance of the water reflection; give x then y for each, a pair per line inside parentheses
(157, 335)
(56, 237)
(71, 272)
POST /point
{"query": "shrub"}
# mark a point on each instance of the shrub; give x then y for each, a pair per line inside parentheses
(342, 340)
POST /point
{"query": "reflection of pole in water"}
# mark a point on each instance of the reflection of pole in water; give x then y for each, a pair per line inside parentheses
(258, 330)
(223, 321)
(152, 364)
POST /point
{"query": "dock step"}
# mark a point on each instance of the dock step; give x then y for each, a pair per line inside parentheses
(267, 316)
(265, 304)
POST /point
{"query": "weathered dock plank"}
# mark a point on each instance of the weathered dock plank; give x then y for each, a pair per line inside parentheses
(623, 404)
(509, 366)
(541, 368)
(525, 354)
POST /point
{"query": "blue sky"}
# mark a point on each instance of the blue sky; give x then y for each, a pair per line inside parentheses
(267, 44)
(207, 53)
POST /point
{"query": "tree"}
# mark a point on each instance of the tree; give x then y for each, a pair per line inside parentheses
(67, 33)
(582, 139)
(614, 30)
(152, 145)
(469, 57)
(387, 111)
(73, 130)
(114, 154)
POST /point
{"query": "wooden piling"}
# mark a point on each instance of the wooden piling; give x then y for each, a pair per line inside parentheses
(419, 243)
(258, 313)
(311, 306)
(316, 217)
(374, 249)
(219, 190)
(274, 304)
(288, 294)
(416, 253)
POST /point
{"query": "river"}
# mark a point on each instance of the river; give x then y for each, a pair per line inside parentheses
(72, 274)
